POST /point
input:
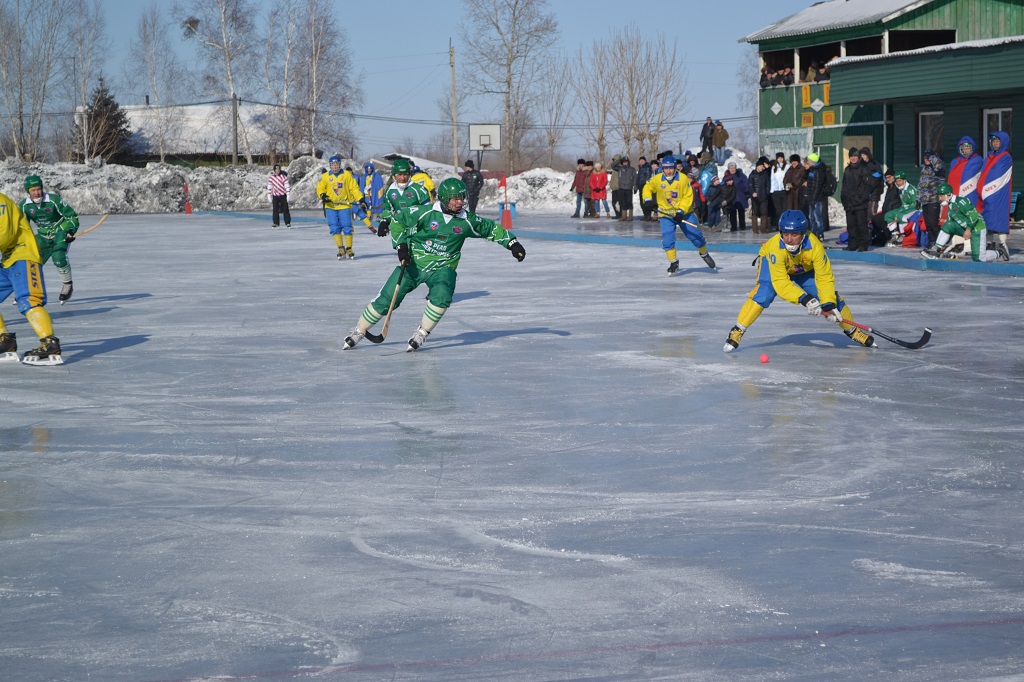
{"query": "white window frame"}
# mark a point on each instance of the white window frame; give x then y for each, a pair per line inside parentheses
(985, 113)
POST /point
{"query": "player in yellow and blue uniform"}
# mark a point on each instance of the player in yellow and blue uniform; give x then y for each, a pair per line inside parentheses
(670, 193)
(794, 265)
(21, 273)
(341, 197)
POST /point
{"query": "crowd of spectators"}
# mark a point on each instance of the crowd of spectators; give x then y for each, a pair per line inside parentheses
(816, 73)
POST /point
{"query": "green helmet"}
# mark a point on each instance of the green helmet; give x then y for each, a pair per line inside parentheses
(900, 175)
(944, 188)
(33, 181)
(401, 166)
(449, 189)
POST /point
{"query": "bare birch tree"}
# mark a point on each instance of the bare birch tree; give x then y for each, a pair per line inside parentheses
(330, 87)
(662, 106)
(744, 135)
(508, 41)
(87, 44)
(553, 103)
(33, 52)
(224, 31)
(153, 64)
(592, 76)
(280, 68)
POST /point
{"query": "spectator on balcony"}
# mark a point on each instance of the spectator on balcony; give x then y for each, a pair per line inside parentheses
(812, 72)
(766, 77)
(823, 74)
(786, 76)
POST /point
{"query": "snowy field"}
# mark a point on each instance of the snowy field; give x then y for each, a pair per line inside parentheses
(570, 481)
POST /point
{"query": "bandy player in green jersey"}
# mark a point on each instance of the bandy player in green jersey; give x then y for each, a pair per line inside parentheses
(56, 224)
(401, 193)
(429, 242)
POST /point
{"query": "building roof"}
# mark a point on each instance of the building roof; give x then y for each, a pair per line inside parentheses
(835, 14)
(950, 47)
(201, 129)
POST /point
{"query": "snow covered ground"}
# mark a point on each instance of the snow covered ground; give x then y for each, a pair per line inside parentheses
(569, 481)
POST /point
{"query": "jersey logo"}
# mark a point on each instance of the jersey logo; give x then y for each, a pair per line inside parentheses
(433, 225)
(457, 230)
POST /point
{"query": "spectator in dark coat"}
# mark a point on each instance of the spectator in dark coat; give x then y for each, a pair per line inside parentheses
(474, 183)
(579, 185)
(643, 174)
(738, 209)
(814, 197)
(760, 183)
(713, 198)
(856, 197)
(876, 180)
(627, 181)
(728, 198)
(706, 135)
(933, 174)
(890, 200)
(793, 182)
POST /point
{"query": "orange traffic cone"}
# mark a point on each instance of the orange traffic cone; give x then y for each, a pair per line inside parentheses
(188, 204)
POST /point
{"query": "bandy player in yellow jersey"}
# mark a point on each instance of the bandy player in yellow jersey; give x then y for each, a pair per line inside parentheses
(794, 265)
(21, 273)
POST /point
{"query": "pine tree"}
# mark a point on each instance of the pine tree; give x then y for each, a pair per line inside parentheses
(103, 128)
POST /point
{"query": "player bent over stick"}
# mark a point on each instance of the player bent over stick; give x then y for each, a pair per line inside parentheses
(670, 192)
(21, 273)
(794, 265)
(429, 242)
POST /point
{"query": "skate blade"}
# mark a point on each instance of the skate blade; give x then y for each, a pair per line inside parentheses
(42, 362)
(9, 356)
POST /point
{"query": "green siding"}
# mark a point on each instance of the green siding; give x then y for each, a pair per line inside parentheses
(966, 70)
(973, 19)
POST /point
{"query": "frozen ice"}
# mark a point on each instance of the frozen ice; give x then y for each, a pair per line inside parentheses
(569, 481)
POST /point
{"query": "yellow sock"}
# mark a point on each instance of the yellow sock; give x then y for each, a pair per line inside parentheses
(703, 250)
(847, 315)
(348, 241)
(40, 321)
(338, 241)
(671, 253)
(749, 313)
(3, 325)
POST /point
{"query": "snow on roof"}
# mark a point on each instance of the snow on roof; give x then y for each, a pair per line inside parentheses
(201, 128)
(834, 14)
(969, 44)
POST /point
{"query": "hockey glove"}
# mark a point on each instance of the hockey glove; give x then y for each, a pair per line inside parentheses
(650, 205)
(323, 198)
(384, 228)
(362, 205)
(517, 250)
(680, 217)
(403, 254)
(831, 313)
(812, 304)
(69, 237)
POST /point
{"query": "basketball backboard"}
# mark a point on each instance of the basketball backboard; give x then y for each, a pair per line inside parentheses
(484, 137)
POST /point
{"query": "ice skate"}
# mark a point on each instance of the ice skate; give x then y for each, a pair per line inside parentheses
(861, 337)
(418, 337)
(47, 353)
(733, 342)
(354, 337)
(351, 254)
(288, 226)
(932, 252)
(1003, 252)
(8, 348)
(275, 226)
(709, 260)
(342, 253)
(673, 267)
(65, 292)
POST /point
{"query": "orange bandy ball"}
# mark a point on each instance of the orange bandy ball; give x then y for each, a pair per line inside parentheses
(764, 357)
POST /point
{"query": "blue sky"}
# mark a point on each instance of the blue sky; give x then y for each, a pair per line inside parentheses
(412, 46)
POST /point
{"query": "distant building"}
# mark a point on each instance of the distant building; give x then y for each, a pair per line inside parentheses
(204, 132)
(901, 76)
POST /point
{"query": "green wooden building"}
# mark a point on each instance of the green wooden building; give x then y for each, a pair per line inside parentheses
(904, 76)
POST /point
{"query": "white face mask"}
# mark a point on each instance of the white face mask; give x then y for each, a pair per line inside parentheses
(795, 248)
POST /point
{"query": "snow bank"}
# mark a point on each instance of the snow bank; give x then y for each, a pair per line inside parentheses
(160, 188)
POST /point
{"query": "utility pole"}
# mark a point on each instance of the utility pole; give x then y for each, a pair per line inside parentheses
(234, 128)
(455, 128)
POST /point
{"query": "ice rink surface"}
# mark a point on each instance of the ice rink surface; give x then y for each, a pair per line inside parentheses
(570, 481)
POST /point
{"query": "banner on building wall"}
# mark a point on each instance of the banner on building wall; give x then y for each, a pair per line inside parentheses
(828, 118)
(805, 93)
(826, 91)
(807, 119)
